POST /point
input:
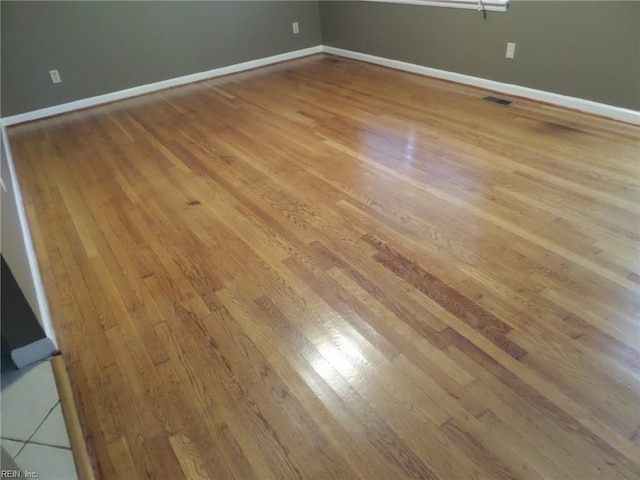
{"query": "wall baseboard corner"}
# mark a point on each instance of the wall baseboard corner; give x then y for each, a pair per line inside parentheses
(574, 103)
(587, 106)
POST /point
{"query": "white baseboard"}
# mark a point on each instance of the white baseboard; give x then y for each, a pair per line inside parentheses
(588, 106)
(43, 306)
(153, 87)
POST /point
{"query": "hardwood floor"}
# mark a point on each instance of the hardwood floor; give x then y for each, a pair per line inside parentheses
(328, 269)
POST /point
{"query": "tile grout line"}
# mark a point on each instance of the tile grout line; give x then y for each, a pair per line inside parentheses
(34, 443)
(28, 441)
(16, 441)
(25, 442)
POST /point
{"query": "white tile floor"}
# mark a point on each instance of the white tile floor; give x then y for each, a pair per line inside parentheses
(32, 430)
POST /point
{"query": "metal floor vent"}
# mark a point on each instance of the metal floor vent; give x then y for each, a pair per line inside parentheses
(501, 101)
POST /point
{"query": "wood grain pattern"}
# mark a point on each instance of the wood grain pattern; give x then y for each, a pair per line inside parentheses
(81, 458)
(328, 269)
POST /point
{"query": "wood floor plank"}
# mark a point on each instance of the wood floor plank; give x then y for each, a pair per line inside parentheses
(329, 269)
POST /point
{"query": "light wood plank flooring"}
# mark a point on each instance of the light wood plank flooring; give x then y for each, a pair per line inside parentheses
(328, 269)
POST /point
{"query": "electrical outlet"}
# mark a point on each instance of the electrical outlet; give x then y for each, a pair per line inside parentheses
(296, 28)
(55, 76)
(511, 50)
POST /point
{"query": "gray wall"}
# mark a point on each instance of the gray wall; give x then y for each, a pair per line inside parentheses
(101, 47)
(589, 49)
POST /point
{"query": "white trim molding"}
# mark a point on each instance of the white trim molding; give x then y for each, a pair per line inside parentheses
(587, 106)
(154, 87)
(488, 5)
(43, 306)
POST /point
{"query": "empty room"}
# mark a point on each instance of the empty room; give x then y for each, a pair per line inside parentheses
(321, 239)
